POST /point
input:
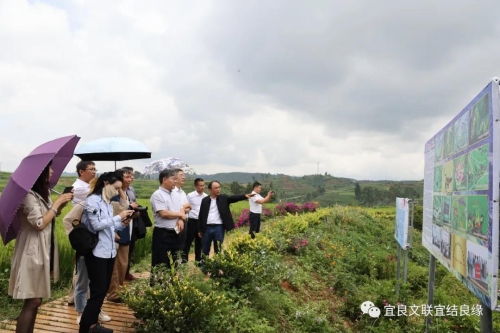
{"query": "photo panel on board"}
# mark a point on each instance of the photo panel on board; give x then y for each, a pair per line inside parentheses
(448, 177)
(459, 212)
(446, 244)
(448, 148)
(460, 173)
(478, 216)
(461, 133)
(477, 265)
(479, 120)
(439, 146)
(459, 254)
(478, 167)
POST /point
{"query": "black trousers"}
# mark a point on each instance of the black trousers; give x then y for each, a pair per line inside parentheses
(254, 222)
(100, 271)
(166, 244)
(192, 235)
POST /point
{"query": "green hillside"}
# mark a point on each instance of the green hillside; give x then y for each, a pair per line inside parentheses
(325, 189)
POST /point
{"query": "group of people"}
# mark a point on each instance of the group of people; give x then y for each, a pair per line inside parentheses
(181, 219)
(107, 207)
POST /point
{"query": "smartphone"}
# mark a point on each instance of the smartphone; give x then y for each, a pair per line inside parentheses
(68, 189)
(176, 229)
(127, 217)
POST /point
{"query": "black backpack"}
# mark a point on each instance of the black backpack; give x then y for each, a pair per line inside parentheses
(82, 240)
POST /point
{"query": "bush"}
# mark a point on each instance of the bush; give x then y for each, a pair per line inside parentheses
(176, 304)
(309, 207)
(287, 207)
(244, 244)
(418, 217)
(244, 218)
(232, 269)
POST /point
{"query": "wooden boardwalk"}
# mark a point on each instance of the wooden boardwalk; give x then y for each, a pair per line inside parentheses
(58, 316)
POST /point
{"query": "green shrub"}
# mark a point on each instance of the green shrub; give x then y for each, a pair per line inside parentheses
(175, 304)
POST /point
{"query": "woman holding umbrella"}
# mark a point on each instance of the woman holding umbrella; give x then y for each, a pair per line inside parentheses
(35, 257)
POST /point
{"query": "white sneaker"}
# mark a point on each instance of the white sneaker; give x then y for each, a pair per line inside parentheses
(78, 319)
(103, 316)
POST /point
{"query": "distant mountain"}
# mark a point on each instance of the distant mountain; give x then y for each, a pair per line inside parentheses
(323, 188)
(241, 177)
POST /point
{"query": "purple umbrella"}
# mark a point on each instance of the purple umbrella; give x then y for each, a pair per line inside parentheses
(60, 151)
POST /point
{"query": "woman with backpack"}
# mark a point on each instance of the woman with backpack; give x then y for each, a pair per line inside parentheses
(100, 219)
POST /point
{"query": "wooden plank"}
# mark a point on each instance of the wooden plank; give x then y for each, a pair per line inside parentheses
(59, 317)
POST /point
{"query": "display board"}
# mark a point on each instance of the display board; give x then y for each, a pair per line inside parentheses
(461, 185)
(402, 222)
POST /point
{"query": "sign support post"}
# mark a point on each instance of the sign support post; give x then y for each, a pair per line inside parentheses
(430, 291)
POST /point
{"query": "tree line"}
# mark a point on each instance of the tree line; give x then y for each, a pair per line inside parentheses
(376, 196)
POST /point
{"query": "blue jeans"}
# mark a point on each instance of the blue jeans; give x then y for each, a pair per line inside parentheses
(213, 233)
(82, 285)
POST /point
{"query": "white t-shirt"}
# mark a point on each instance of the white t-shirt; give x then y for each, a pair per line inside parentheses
(80, 191)
(162, 199)
(181, 195)
(254, 206)
(195, 201)
(213, 213)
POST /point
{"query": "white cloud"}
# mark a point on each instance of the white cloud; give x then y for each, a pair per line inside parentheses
(256, 86)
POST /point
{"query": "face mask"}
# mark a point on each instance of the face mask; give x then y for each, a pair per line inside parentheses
(109, 192)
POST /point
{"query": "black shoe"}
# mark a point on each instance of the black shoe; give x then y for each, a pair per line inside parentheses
(98, 328)
(116, 300)
(252, 235)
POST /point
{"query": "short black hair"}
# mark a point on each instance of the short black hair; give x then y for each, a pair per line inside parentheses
(197, 180)
(213, 181)
(82, 166)
(255, 184)
(167, 173)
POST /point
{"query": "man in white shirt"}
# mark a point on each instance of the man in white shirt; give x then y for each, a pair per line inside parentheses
(86, 172)
(215, 216)
(256, 207)
(193, 234)
(169, 218)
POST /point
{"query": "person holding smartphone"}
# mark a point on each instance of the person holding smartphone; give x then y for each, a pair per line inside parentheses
(256, 207)
(100, 261)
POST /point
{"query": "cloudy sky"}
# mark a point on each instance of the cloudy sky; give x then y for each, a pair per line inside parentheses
(258, 86)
